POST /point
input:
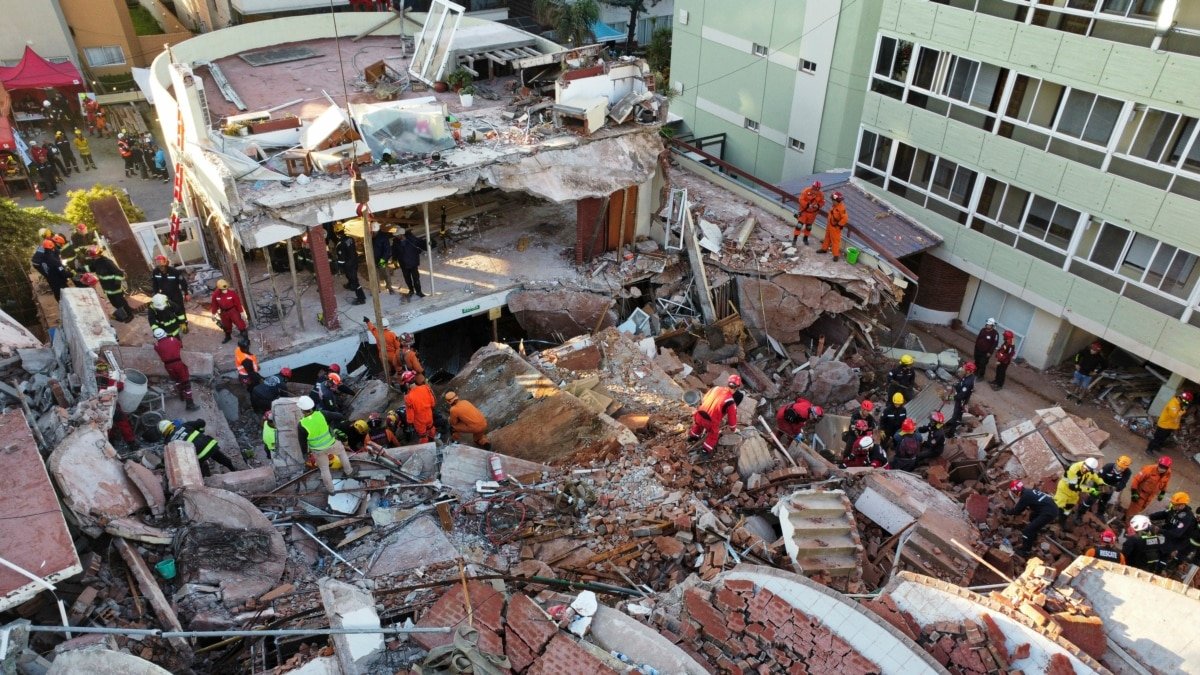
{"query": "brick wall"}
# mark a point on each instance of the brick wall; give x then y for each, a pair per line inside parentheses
(325, 287)
(942, 285)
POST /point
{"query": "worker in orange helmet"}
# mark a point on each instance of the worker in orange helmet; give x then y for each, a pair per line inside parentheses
(1149, 483)
(465, 418)
(418, 403)
(717, 403)
(1107, 550)
(837, 220)
(811, 201)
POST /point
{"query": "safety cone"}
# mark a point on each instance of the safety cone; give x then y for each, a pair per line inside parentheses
(37, 193)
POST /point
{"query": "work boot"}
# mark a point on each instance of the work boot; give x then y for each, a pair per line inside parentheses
(228, 337)
(359, 301)
(836, 257)
(794, 237)
(806, 240)
(191, 405)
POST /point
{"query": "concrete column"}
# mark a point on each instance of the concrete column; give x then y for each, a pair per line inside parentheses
(182, 467)
(288, 459)
(325, 286)
(1173, 385)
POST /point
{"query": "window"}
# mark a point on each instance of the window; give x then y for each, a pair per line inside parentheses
(1137, 266)
(98, 57)
(808, 67)
(1089, 117)
(874, 150)
(759, 50)
(893, 58)
(796, 144)
(751, 125)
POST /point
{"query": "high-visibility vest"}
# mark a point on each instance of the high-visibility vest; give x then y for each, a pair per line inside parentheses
(713, 405)
(239, 357)
(201, 453)
(268, 436)
(319, 437)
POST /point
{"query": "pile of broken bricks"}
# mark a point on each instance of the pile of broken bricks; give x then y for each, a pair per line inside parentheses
(1057, 609)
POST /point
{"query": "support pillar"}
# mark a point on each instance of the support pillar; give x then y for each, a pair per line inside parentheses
(1173, 386)
(325, 285)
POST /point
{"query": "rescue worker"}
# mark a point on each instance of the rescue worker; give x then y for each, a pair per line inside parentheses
(1149, 483)
(226, 308)
(164, 314)
(1004, 356)
(1169, 421)
(170, 281)
(1192, 556)
(865, 413)
(853, 435)
(381, 246)
(1080, 477)
(1088, 364)
(406, 252)
(834, 223)
(48, 263)
(408, 359)
(207, 447)
(264, 394)
(907, 446)
(465, 418)
(810, 202)
(985, 343)
(170, 350)
(419, 403)
(718, 403)
(84, 149)
(398, 426)
(933, 442)
(1107, 550)
(63, 145)
(893, 415)
(125, 150)
(391, 343)
(1042, 508)
(247, 365)
(903, 378)
(269, 432)
(1143, 547)
(866, 452)
(317, 437)
(347, 259)
(112, 281)
(355, 436)
(121, 425)
(1176, 521)
(1115, 476)
(324, 392)
(82, 239)
(795, 419)
(962, 395)
(379, 433)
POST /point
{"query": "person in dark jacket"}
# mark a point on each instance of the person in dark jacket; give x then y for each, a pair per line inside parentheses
(1177, 522)
(112, 281)
(1042, 508)
(171, 282)
(1116, 476)
(381, 248)
(48, 263)
(67, 156)
(903, 378)
(82, 239)
(206, 446)
(933, 442)
(962, 395)
(165, 314)
(1088, 364)
(1004, 357)
(866, 413)
(985, 344)
(346, 253)
(1143, 547)
(907, 445)
(406, 251)
(264, 393)
(892, 417)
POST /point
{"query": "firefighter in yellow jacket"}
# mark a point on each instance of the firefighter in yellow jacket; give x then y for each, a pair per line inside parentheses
(1169, 421)
(1080, 477)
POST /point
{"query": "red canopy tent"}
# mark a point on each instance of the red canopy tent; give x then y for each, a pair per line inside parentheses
(34, 72)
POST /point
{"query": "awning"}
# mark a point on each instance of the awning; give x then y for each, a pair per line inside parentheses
(606, 33)
(34, 72)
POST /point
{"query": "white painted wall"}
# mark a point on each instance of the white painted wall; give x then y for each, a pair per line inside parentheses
(38, 24)
(808, 96)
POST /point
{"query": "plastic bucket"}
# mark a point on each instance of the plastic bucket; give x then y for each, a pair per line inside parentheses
(135, 390)
(166, 568)
(851, 255)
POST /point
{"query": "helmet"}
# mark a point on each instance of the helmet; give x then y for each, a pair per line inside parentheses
(34, 143)
(46, 104)
(1016, 486)
(120, 136)
(285, 373)
(102, 366)
(392, 417)
(161, 260)
(1180, 498)
(991, 321)
(339, 228)
(374, 417)
(222, 284)
(305, 403)
(385, 323)
(1186, 397)
(861, 425)
(1108, 536)
(1009, 335)
(269, 417)
(59, 134)
(158, 333)
(906, 360)
(1091, 463)
(78, 132)
(1124, 462)
(94, 251)
(1096, 346)
(897, 399)
(89, 279)
(59, 240)
(45, 233)
(166, 427)
(408, 377)
(938, 417)
(334, 379)
(335, 368)
(81, 228)
(360, 426)
(817, 184)
(1164, 462)
(908, 426)
(48, 244)
(407, 338)
(836, 196)
(815, 413)
(969, 367)
(866, 442)
(450, 397)
(866, 405)
(735, 380)
(159, 301)
(1139, 523)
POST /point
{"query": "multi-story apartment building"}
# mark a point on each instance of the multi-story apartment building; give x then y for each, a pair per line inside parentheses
(783, 80)
(1054, 148)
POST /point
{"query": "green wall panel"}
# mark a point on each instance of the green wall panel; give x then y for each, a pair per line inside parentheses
(1091, 301)
(1133, 70)
(1035, 47)
(1001, 157)
(1042, 171)
(975, 247)
(769, 163)
(928, 131)
(1085, 187)
(1179, 340)
(1177, 222)
(1081, 58)
(870, 108)
(1009, 263)
(777, 107)
(993, 42)
(890, 13)
(1138, 321)
(953, 28)
(1133, 203)
(916, 18)
(894, 118)
(964, 142)
(1177, 83)
(1049, 281)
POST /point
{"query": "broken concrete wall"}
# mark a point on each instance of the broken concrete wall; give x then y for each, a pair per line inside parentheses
(92, 479)
(102, 661)
(500, 383)
(347, 606)
(88, 330)
(561, 314)
(615, 631)
(287, 458)
(786, 304)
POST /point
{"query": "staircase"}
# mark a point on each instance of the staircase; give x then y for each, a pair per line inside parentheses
(823, 534)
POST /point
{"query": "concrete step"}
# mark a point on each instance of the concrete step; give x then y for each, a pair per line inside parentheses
(819, 512)
(823, 544)
(824, 534)
(835, 565)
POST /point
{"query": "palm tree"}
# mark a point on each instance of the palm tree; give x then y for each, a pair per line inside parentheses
(572, 19)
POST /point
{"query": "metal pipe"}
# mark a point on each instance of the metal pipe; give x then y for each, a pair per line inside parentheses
(277, 632)
(428, 248)
(333, 552)
(295, 284)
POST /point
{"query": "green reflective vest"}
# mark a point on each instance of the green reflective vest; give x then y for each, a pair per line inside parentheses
(319, 437)
(268, 437)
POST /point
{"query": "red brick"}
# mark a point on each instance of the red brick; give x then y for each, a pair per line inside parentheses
(977, 507)
(669, 546)
(1085, 632)
(1060, 665)
(736, 622)
(758, 603)
(450, 610)
(529, 623)
(798, 669)
(714, 652)
(764, 632)
(564, 656)
(779, 611)
(752, 647)
(764, 669)
(1021, 652)
(727, 665)
(729, 601)
(740, 585)
(518, 653)
(711, 621)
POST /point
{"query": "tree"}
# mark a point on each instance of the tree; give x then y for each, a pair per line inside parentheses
(658, 53)
(635, 8)
(79, 204)
(572, 19)
(19, 225)
(18, 236)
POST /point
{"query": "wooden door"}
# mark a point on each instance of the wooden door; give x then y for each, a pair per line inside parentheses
(622, 218)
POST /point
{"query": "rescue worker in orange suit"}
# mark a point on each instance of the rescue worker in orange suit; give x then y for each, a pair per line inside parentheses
(717, 403)
(418, 404)
(1149, 483)
(170, 350)
(1107, 550)
(811, 201)
(391, 344)
(1169, 421)
(1004, 356)
(837, 220)
(792, 419)
(247, 365)
(408, 359)
(465, 418)
(226, 307)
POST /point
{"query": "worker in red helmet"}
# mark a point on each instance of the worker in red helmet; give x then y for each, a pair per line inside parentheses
(1169, 420)
(866, 413)
(264, 394)
(719, 402)
(962, 395)
(810, 201)
(1088, 364)
(1042, 508)
(1107, 550)
(1004, 356)
(858, 430)
(907, 446)
(171, 282)
(834, 223)
(933, 438)
(796, 419)
(1148, 484)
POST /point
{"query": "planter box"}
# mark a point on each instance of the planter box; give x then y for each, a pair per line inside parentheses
(274, 125)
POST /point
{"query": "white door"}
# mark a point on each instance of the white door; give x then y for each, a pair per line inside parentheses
(1010, 312)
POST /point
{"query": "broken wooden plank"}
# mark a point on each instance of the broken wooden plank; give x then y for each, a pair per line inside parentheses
(340, 523)
(444, 517)
(153, 594)
(356, 535)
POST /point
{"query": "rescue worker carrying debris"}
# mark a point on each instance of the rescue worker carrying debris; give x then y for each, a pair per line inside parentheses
(1115, 476)
(465, 418)
(193, 432)
(1169, 421)
(719, 402)
(1107, 550)
(170, 350)
(1177, 521)
(1143, 547)
(834, 224)
(1042, 508)
(796, 419)
(810, 202)
(1148, 484)
(317, 437)
(892, 417)
(903, 378)
(226, 308)
(1080, 477)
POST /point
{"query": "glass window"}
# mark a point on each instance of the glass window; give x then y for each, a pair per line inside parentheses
(1109, 246)
(1014, 207)
(927, 67)
(104, 56)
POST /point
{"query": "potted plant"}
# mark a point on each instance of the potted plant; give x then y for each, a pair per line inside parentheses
(466, 95)
(441, 87)
(459, 79)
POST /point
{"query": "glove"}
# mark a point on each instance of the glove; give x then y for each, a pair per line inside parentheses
(1161, 495)
(1094, 492)
(799, 437)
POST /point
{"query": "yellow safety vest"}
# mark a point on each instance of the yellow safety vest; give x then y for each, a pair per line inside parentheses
(201, 453)
(268, 436)
(317, 427)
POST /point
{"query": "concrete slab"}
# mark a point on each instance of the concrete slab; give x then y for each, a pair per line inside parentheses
(1032, 459)
(348, 606)
(14, 336)
(87, 330)
(869, 635)
(145, 359)
(929, 601)
(91, 477)
(501, 384)
(1142, 614)
(420, 543)
(462, 465)
(181, 465)
(616, 631)
(258, 480)
(33, 532)
(102, 662)
(1071, 440)
(149, 484)
(899, 491)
